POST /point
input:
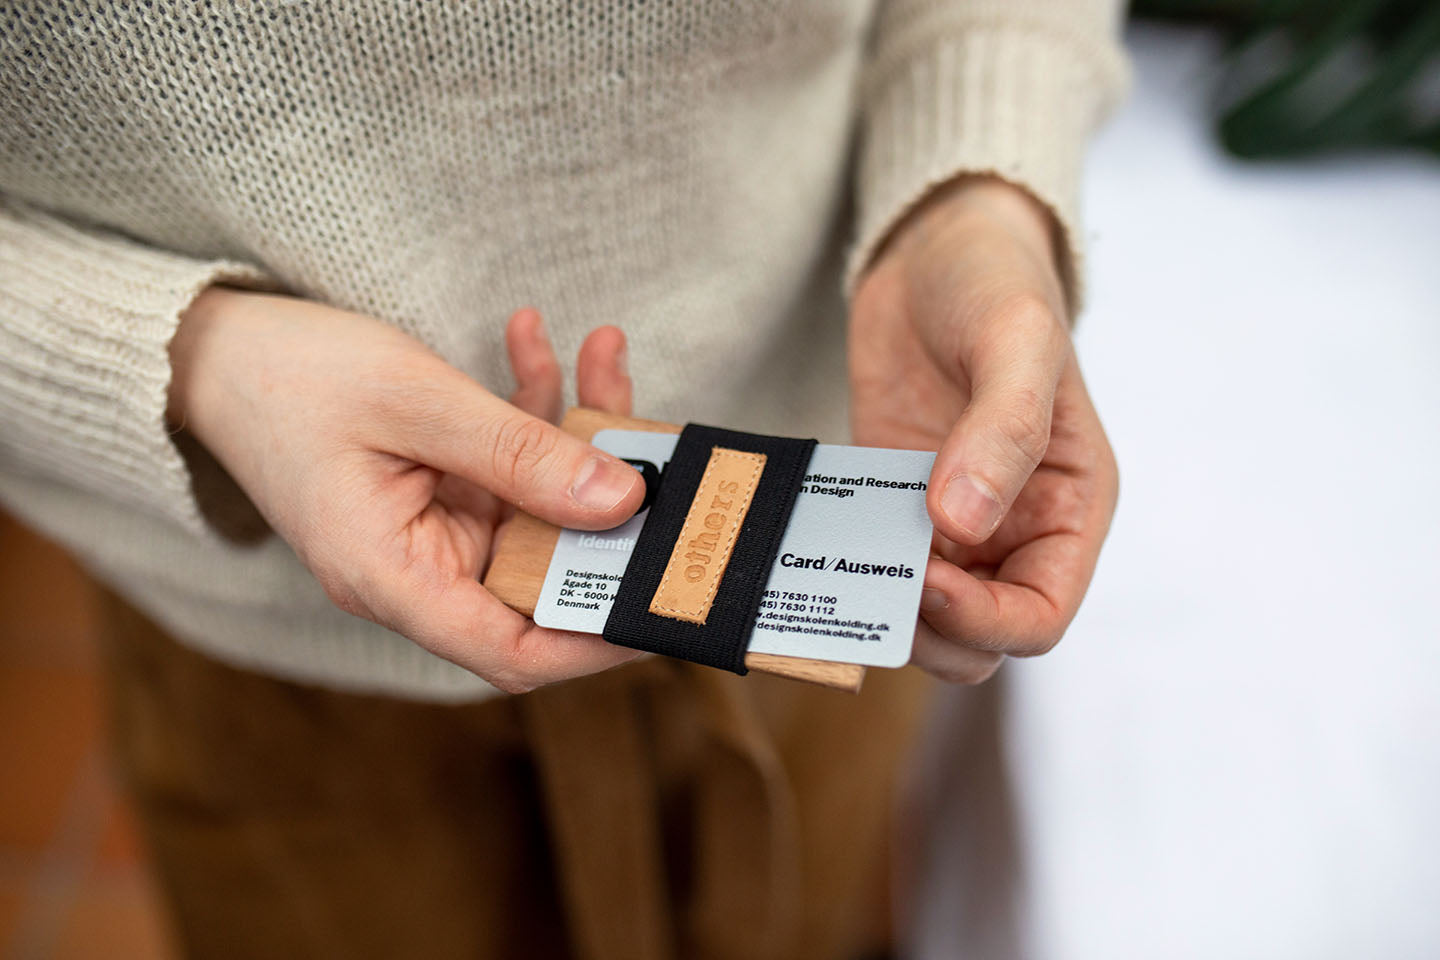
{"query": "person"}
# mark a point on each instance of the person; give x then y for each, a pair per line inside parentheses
(254, 263)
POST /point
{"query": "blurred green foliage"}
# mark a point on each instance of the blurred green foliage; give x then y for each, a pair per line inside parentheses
(1311, 76)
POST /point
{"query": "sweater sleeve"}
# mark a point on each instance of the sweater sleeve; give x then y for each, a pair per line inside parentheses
(1012, 88)
(86, 319)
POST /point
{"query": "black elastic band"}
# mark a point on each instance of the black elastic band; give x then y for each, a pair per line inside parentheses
(722, 640)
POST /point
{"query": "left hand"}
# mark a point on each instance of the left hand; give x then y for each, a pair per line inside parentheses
(392, 474)
(959, 342)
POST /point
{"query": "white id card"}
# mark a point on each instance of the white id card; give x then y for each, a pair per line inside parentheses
(847, 578)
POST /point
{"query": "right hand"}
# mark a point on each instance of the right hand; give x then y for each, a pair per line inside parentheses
(389, 471)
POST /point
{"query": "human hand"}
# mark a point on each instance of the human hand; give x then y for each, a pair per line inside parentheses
(389, 471)
(959, 343)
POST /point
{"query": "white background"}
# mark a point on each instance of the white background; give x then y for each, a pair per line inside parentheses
(1236, 750)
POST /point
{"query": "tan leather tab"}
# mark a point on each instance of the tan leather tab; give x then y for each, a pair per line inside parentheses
(702, 551)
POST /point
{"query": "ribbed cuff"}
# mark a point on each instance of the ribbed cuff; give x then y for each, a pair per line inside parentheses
(1007, 100)
(86, 320)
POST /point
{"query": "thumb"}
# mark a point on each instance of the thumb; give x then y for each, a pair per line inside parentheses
(459, 427)
(997, 442)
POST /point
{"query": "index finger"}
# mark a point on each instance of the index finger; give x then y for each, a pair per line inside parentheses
(1025, 610)
(464, 623)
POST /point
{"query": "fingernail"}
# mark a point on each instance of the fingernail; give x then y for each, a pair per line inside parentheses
(622, 360)
(932, 599)
(971, 505)
(602, 483)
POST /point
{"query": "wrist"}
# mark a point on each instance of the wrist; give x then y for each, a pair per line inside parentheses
(973, 234)
(967, 208)
(191, 344)
(973, 199)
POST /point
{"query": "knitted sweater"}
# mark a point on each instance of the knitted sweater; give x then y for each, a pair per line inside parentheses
(694, 172)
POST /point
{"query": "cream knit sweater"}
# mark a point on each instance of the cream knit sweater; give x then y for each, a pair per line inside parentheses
(693, 171)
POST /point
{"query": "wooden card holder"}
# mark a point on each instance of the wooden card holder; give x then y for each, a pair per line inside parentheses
(522, 558)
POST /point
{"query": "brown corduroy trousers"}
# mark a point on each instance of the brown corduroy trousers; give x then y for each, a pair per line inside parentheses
(657, 811)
